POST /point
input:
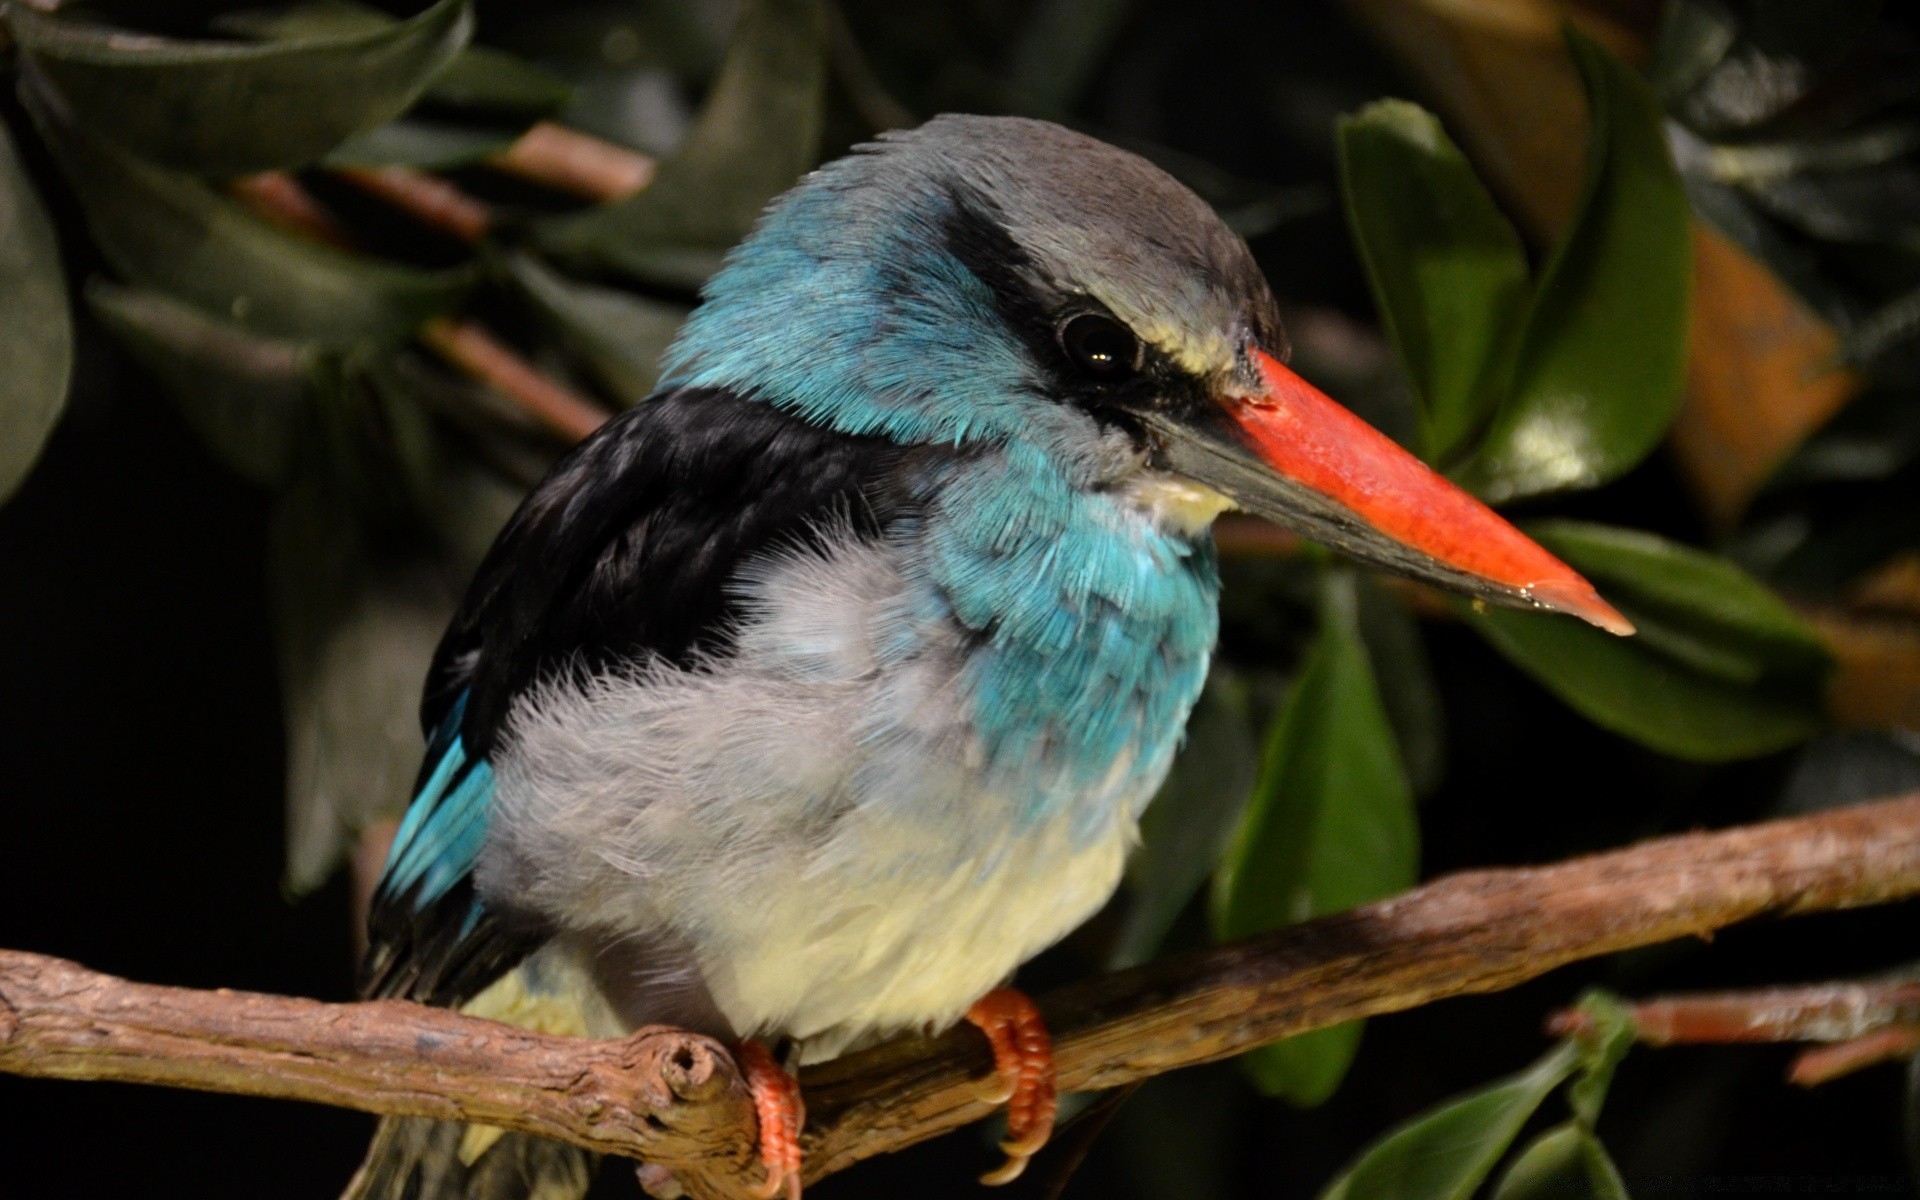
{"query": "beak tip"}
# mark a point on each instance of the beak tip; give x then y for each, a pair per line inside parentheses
(1576, 597)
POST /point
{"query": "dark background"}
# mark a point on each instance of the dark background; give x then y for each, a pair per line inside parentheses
(140, 732)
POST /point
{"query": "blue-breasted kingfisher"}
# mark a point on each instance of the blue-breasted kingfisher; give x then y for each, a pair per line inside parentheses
(807, 699)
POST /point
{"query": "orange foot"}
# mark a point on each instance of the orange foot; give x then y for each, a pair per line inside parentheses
(777, 1102)
(1023, 1067)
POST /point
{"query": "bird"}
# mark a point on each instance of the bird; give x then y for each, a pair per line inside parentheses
(805, 700)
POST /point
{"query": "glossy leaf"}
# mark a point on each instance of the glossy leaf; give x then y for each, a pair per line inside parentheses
(757, 133)
(478, 78)
(1566, 1161)
(621, 336)
(1447, 1152)
(36, 337)
(1447, 269)
(169, 232)
(1695, 606)
(1598, 373)
(1191, 821)
(245, 395)
(1330, 825)
(1720, 669)
(231, 107)
(1640, 693)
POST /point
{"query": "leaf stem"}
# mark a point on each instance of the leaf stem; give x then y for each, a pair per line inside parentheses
(1828, 1063)
(278, 197)
(429, 199)
(468, 346)
(1827, 1012)
(567, 160)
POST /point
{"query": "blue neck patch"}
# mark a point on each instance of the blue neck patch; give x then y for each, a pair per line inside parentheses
(848, 308)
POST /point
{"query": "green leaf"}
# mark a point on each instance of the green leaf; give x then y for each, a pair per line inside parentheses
(356, 624)
(478, 78)
(1676, 592)
(245, 395)
(372, 546)
(1191, 821)
(621, 336)
(758, 132)
(229, 107)
(423, 144)
(1640, 693)
(1611, 1035)
(1447, 1152)
(1566, 1161)
(1330, 826)
(36, 338)
(1407, 686)
(1720, 669)
(169, 232)
(1447, 269)
(1598, 374)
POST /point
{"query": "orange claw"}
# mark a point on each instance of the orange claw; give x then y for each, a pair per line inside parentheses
(778, 1105)
(1023, 1067)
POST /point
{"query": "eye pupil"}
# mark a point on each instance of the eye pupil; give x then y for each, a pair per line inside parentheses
(1100, 346)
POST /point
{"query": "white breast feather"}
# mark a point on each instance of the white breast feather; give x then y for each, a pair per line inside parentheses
(807, 817)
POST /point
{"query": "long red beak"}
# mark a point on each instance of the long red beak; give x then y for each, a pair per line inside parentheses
(1291, 454)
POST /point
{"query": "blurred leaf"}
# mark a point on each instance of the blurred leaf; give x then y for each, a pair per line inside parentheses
(424, 144)
(757, 133)
(1447, 1152)
(1783, 49)
(227, 107)
(1060, 47)
(356, 627)
(170, 232)
(1611, 1034)
(620, 335)
(1330, 825)
(1447, 269)
(1694, 37)
(1566, 1161)
(1599, 370)
(1766, 372)
(1720, 669)
(245, 395)
(1851, 767)
(484, 79)
(1190, 822)
(480, 78)
(36, 338)
(1407, 687)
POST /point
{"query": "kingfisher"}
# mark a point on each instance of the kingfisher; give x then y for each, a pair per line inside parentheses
(807, 699)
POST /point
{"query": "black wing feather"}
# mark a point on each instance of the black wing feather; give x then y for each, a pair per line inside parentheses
(625, 550)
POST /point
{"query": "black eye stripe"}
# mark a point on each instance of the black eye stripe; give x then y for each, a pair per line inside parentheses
(1101, 347)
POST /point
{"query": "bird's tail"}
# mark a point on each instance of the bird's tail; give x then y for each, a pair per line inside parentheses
(414, 1158)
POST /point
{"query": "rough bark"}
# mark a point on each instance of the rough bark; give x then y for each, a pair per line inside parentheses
(675, 1099)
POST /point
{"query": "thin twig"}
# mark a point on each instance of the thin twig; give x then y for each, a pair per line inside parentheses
(1826, 1012)
(570, 161)
(428, 199)
(674, 1099)
(1828, 1063)
(278, 197)
(471, 348)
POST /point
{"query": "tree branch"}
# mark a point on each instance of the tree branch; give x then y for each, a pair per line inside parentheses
(675, 1099)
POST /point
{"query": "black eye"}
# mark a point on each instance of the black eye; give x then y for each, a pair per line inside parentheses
(1100, 346)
